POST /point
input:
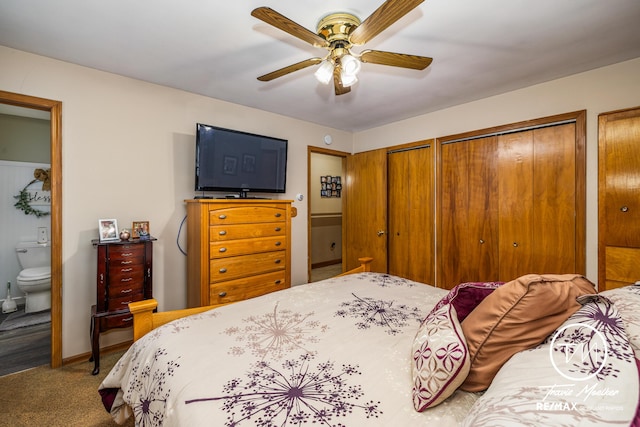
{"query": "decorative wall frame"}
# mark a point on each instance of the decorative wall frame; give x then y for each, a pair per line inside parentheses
(108, 230)
(330, 186)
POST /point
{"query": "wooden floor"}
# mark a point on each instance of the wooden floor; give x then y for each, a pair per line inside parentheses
(24, 348)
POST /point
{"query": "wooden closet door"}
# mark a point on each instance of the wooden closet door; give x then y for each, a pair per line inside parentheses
(618, 198)
(515, 204)
(554, 200)
(410, 209)
(365, 223)
(468, 220)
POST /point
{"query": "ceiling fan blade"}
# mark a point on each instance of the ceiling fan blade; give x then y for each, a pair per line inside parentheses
(280, 21)
(395, 59)
(290, 69)
(388, 13)
(337, 83)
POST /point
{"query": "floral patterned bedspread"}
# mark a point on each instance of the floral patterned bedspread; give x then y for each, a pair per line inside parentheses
(338, 353)
(331, 353)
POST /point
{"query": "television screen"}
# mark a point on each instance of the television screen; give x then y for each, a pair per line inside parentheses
(230, 160)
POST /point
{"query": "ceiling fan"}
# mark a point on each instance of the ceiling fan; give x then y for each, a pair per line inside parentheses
(337, 33)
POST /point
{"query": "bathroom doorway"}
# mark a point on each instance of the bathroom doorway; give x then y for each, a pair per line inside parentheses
(54, 108)
(325, 170)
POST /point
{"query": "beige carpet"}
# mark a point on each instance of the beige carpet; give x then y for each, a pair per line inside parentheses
(56, 397)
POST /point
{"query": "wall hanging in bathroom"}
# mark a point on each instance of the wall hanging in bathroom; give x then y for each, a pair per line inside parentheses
(31, 198)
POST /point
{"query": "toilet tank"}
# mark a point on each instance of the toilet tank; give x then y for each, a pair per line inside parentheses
(33, 254)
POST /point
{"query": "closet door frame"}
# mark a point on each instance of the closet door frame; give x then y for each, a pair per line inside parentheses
(579, 117)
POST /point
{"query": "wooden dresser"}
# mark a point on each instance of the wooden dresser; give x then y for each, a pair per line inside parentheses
(237, 249)
(124, 275)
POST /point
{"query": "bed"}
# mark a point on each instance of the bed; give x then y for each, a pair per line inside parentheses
(379, 350)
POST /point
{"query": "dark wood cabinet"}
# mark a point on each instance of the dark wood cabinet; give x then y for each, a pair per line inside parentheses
(124, 275)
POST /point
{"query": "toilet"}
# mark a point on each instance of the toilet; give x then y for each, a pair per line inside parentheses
(35, 278)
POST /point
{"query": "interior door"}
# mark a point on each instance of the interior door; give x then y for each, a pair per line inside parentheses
(411, 229)
(365, 219)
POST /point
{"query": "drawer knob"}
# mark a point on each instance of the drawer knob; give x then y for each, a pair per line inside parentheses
(515, 244)
(127, 254)
(223, 270)
(278, 261)
(625, 209)
(278, 229)
(222, 233)
(278, 282)
(222, 250)
(126, 291)
(126, 279)
(222, 294)
(126, 262)
(222, 216)
(481, 242)
(126, 319)
(278, 243)
(126, 270)
(278, 215)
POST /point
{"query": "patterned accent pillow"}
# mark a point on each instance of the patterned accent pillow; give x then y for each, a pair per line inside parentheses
(466, 296)
(440, 358)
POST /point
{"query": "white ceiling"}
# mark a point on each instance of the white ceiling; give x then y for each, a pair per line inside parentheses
(216, 48)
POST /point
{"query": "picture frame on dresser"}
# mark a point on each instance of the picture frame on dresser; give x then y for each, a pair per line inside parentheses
(108, 230)
(140, 230)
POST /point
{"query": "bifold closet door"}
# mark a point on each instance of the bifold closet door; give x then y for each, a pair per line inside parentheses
(537, 200)
(410, 209)
(468, 208)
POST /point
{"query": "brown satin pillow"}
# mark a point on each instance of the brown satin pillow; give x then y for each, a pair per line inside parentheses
(516, 316)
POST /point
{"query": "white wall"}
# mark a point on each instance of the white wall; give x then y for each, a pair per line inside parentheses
(605, 89)
(128, 152)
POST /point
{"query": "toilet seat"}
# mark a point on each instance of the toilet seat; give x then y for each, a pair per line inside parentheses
(35, 275)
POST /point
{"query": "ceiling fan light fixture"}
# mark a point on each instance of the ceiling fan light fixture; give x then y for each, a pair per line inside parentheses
(347, 79)
(324, 73)
(350, 65)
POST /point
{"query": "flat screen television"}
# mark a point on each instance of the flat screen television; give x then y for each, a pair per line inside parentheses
(233, 161)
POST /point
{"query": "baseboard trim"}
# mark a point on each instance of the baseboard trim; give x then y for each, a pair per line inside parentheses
(326, 263)
(85, 356)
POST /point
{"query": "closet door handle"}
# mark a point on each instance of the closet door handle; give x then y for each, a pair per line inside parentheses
(380, 233)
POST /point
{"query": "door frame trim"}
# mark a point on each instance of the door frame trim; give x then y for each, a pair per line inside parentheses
(319, 150)
(55, 110)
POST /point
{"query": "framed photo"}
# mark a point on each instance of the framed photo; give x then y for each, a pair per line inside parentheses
(140, 230)
(108, 230)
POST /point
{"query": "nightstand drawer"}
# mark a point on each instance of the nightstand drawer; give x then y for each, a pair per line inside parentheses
(246, 215)
(244, 231)
(116, 321)
(248, 287)
(246, 265)
(247, 246)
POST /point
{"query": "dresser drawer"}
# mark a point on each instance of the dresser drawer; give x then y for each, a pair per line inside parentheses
(118, 277)
(245, 231)
(249, 287)
(246, 265)
(246, 215)
(126, 252)
(124, 320)
(246, 246)
(122, 302)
